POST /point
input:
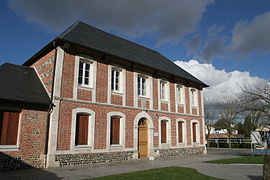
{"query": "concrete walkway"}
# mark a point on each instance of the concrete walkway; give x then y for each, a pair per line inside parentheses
(235, 172)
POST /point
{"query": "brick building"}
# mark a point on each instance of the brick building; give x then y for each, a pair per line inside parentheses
(113, 100)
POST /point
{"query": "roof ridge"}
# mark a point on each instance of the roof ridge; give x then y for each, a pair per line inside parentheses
(17, 65)
(80, 22)
(69, 28)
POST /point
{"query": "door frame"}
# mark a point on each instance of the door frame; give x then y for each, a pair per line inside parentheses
(140, 115)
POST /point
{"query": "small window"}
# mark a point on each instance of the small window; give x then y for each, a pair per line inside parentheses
(115, 130)
(180, 94)
(81, 129)
(193, 97)
(116, 80)
(180, 132)
(84, 73)
(142, 86)
(163, 131)
(194, 132)
(9, 123)
(163, 90)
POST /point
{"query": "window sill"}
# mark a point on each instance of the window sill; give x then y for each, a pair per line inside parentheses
(9, 148)
(116, 147)
(82, 147)
(164, 145)
(117, 93)
(143, 97)
(195, 107)
(179, 104)
(181, 144)
(196, 144)
(85, 87)
(164, 101)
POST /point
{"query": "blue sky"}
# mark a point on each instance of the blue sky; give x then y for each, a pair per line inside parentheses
(227, 33)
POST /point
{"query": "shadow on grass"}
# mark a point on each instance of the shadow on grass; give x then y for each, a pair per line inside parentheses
(15, 168)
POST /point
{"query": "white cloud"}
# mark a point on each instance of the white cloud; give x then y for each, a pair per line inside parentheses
(252, 36)
(222, 84)
(169, 20)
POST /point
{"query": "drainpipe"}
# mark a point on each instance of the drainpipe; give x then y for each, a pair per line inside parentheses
(51, 106)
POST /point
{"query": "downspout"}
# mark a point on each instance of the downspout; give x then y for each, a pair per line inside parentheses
(51, 106)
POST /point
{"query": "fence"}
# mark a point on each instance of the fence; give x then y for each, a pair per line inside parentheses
(224, 143)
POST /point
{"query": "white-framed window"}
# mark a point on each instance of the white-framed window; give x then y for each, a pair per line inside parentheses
(85, 73)
(142, 85)
(116, 80)
(116, 130)
(193, 97)
(163, 90)
(165, 132)
(180, 94)
(181, 131)
(82, 129)
(195, 132)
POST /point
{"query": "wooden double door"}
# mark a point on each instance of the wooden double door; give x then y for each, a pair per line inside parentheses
(143, 138)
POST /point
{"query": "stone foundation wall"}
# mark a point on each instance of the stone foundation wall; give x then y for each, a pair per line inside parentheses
(181, 151)
(83, 159)
(9, 163)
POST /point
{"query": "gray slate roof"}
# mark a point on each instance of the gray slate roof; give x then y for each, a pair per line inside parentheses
(21, 84)
(91, 37)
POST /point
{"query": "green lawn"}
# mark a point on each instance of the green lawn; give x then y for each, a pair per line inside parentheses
(240, 160)
(160, 173)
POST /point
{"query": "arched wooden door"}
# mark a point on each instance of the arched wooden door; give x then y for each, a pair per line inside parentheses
(143, 138)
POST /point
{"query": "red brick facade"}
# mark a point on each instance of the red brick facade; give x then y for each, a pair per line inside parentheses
(100, 100)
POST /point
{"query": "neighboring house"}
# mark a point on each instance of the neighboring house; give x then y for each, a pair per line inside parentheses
(24, 105)
(113, 100)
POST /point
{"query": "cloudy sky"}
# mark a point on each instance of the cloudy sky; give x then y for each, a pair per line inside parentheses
(226, 37)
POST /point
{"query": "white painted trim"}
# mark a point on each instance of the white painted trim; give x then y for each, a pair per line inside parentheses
(135, 89)
(109, 92)
(168, 132)
(91, 129)
(92, 77)
(122, 135)
(140, 115)
(124, 107)
(42, 81)
(122, 128)
(203, 121)
(54, 116)
(184, 129)
(151, 103)
(198, 135)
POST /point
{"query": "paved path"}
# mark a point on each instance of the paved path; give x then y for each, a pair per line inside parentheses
(235, 172)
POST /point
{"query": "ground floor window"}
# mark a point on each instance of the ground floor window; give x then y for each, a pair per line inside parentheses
(194, 131)
(82, 121)
(115, 130)
(164, 131)
(9, 124)
(180, 132)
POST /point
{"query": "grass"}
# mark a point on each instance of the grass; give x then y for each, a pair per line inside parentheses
(240, 160)
(160, 173)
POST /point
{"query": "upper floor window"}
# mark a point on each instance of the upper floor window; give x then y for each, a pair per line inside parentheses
(193, 97)
(142, 86)
(84, 73)
(180, 94)
(116, 80)
(163, 91)
(9, 123)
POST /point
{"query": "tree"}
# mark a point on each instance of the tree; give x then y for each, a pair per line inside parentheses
(228, 110)
(256, 100)
(209, 116)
